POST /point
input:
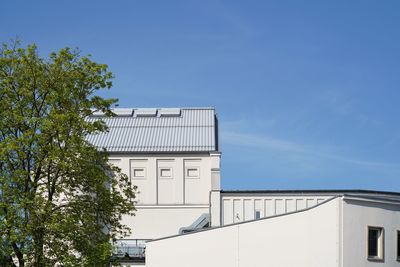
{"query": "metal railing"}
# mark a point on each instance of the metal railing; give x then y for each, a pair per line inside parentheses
(132, 249)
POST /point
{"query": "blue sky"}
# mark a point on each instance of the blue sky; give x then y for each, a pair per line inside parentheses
(307, 92)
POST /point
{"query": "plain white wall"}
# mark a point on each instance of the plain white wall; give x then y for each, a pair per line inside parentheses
(155, 222)
(304, 239)
(357, 216)
(215, 209)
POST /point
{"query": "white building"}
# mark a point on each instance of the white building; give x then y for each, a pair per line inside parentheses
(184, 219)
(172, 156)
(347, 229)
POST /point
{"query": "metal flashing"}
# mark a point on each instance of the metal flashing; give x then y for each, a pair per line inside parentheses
(312, 191)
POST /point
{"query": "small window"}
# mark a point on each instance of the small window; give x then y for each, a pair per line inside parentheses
(375, 243)
(257, 214)
(139, 173)
(165, 172)
(192, 172)
(398, 245)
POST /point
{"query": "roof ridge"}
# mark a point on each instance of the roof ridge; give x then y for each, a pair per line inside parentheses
(185, 108)
(359, 191)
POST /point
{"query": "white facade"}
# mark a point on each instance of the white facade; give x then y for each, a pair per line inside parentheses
(183, 217)
(172, 156)
(333, 233)
(358, 214)
(239, 207)
(173, 190)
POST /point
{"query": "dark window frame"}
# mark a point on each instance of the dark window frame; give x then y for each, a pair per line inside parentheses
(380, 244)
(398, 245)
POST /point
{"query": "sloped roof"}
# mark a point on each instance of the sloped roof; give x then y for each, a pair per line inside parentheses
(158, 130)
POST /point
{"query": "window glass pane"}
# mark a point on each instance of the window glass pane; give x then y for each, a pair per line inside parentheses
(373, 235)
(375, 243)
(139, 172)
(166, 172)
(398, 245)
(258, 214)
(192, 172)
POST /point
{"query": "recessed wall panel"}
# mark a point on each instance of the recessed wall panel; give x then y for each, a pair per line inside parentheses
(279, 206)
(290, 205)
(168, 182)
(227, 209)
(269, 208)
(248, 209)
(237, 210)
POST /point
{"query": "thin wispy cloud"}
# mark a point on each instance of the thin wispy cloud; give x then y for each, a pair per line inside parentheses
(268, 143)
(344, 104)
(260, 141)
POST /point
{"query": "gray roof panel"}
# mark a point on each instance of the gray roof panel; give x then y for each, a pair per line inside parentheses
(173, 130)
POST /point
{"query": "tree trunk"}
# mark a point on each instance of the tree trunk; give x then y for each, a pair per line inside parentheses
(19, 255)
(38, 244)
(6, 261)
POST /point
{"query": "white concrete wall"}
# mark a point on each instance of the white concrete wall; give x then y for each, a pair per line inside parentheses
(215, 209)
(154, 221)
(305, 239)
(243, 207)
(357, 216)
(173, 190)
(165, 179)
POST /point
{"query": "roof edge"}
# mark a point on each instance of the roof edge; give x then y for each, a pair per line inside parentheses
(250, 221)
(312, 191)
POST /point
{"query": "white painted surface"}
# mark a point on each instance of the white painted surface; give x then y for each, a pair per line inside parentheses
(358, 215)
(304, 239)
(155, 221)
(215, 198)
(173, 190)
(331, 234)
(178, 188)
(243, 207)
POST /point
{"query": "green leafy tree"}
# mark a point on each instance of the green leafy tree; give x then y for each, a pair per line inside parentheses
(60, 201)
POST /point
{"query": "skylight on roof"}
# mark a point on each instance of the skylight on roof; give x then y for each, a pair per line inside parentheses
(98, 113)
(146, 112)
(169, 112)
(123, 112)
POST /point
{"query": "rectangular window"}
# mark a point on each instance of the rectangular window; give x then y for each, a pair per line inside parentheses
(375, 243)
(258, 214)
(192, 172)
(398, 245)
(165, 172)
(192, 168)
(139, 172)
(138, 169)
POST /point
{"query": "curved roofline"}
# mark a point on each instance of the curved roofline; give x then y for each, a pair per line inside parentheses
(312, 191)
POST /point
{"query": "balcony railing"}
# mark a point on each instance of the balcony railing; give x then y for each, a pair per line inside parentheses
(130, 250)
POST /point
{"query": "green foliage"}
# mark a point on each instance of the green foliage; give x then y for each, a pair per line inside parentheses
(60, 201)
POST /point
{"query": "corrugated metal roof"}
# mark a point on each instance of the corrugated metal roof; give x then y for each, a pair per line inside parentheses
(189, 130)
